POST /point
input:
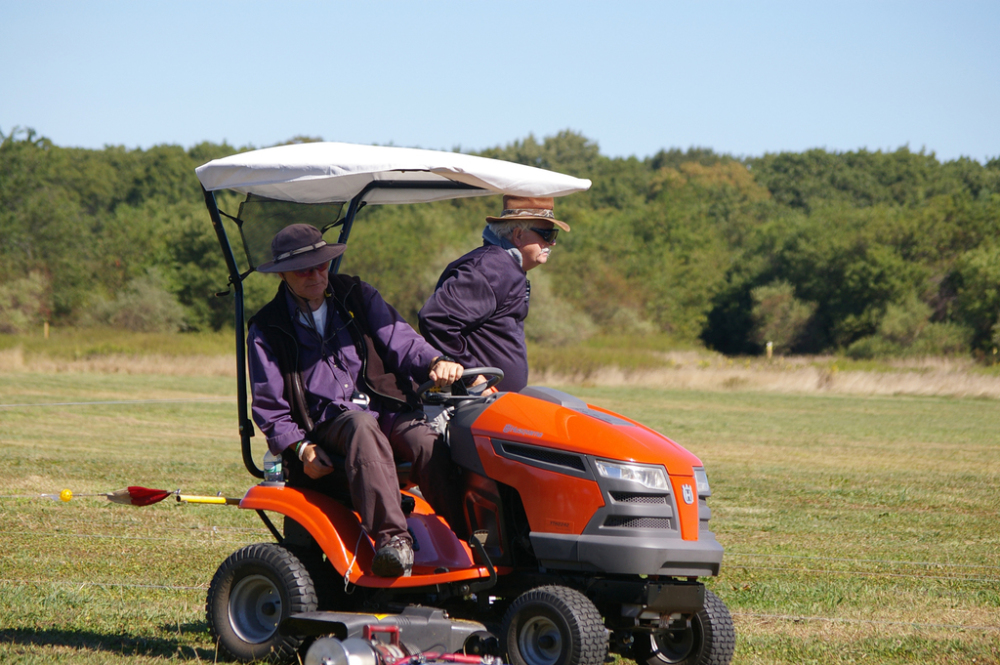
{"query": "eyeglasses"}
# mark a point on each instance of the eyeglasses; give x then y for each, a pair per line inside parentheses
(305, 272)
(548, 235)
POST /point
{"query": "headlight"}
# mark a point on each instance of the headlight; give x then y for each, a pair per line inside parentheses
(652, 477)
(701, 479)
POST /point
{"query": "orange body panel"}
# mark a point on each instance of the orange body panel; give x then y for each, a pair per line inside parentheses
(558, 503)
(338, 532)
(553, 502)
(515, 417)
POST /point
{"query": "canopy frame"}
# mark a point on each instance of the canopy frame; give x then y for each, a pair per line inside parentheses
(355, 175)
(236, 278)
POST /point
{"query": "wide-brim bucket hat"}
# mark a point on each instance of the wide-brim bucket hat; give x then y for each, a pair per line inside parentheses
(300, 246)
(518, 208)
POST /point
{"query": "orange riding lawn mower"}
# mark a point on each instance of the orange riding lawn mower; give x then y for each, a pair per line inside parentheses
(590, 531)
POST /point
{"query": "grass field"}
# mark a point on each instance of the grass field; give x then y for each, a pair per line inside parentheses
(858, 529)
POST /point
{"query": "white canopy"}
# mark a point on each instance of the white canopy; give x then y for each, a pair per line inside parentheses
(337, 172)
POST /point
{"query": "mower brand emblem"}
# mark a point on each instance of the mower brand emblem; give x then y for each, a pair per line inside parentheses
(510, 429)
(559, 526)
(688, 494)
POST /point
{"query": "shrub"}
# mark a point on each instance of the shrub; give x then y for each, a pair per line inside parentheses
(872, 347)
(144, 305)
(978, 294)
(934, 339)
(944, 338)
(904, 322)
(24, 303)
(552, 321)
(778, 316)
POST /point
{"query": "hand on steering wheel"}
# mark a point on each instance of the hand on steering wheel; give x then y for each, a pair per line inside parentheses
(458, 392)
(445, 372)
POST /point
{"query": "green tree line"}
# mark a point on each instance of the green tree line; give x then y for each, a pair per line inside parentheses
(868, 253)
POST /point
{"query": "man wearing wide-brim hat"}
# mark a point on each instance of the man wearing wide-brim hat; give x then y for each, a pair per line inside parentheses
(476, 314)
(331, 370)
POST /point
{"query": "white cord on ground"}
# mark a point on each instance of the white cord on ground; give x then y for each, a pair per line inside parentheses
(124, 401)
(812, 571)
(789, 617)
(889, 561)
(107, 584)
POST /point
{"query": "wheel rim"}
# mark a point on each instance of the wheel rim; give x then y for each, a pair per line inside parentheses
(540, 641)
(673, 646)
(255, 609)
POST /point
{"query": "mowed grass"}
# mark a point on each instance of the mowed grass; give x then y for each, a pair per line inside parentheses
(90, 581)
(857, 529)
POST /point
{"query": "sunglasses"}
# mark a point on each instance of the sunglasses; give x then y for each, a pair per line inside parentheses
(548, 235)
(323, 267)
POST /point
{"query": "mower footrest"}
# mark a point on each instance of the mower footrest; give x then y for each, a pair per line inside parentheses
(421, 628)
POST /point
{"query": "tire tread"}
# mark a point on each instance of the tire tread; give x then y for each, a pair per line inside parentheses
(592, 636)
(298, 587)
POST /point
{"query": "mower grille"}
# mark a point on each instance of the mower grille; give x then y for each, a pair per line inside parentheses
(639, 499)
(623, 522)
(542, 455)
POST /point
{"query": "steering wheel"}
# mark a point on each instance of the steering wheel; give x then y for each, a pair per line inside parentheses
(458, 391)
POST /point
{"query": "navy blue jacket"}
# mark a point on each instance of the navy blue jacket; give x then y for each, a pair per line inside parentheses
(476, 314)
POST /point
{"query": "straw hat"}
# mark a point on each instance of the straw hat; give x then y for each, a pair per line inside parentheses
(517, 208)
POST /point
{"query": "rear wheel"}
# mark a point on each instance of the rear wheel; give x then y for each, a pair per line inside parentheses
(554, 625)
(253, 591)
(709, 640)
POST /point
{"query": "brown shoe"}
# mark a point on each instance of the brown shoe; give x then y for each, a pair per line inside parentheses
(394, 559)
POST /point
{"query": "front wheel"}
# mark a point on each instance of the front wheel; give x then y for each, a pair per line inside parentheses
(709, 640)
(253, 591)
(554, 625)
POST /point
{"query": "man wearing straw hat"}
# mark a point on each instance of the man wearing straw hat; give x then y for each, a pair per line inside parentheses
(476, 314)
(330, 370)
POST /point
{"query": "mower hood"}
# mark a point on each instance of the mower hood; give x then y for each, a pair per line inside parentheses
(573, 426)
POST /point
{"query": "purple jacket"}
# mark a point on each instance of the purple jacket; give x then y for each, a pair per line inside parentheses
(477, 314)
(330, 368)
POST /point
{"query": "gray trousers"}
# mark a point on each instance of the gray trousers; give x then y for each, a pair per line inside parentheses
(370, 469)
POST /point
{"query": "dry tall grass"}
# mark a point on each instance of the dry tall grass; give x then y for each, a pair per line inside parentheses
(15, 361)
(693, 370)
(683, 370)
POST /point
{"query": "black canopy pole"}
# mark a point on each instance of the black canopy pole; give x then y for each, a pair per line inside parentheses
(236, 280)
(345, 229)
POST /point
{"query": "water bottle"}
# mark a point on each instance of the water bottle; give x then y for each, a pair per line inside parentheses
(272, 469)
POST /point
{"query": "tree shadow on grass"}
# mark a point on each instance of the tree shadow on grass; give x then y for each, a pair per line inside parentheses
(122, 644)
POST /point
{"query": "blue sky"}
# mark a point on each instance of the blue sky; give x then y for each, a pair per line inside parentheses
(742, 78)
